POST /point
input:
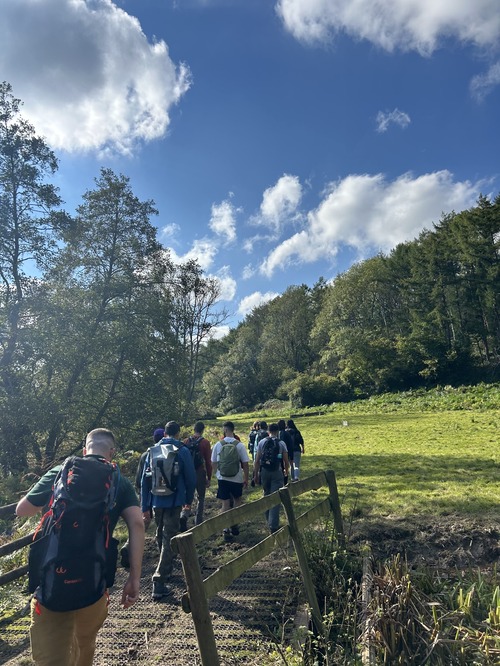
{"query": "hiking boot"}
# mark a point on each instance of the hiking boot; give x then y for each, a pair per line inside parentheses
(183, 523)
(160, 590)
(235, 530)
(227, 534)
(124, 558)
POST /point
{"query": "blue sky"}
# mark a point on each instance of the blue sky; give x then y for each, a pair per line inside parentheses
(281, 140)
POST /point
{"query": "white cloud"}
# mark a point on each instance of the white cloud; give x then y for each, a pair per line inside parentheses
(397, 117)
(88, 77)
(482, 84)
(279, 203)
(247, 272)
(394, 24)
(203, 251)
(169, 231)
(223, 222)
(219, 332)
(252, 301)
(370, 214)
(227, 284)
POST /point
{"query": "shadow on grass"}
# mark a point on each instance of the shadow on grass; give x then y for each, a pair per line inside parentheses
(432, 483)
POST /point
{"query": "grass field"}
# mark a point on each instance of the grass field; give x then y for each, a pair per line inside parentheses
(402, 464)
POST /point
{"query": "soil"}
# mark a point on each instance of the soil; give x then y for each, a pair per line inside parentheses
(444, 542)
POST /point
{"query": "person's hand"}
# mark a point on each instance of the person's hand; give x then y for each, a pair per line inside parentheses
(186, 507)
(245, 483)
(146, 516)
(208, 483)
(130, 592)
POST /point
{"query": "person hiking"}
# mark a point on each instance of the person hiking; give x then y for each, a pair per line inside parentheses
(298, 448)
(286, 437)
(252, 447)
(157, 436)
(67, 638)
(230, 465)
(169, 460)
(271, 466)
(200, 450)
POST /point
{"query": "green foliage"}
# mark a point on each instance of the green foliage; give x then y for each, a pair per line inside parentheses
(306, 390)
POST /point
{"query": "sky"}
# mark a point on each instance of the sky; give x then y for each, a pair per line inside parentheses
(281, 140)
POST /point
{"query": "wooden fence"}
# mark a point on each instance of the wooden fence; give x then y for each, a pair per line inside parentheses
(200, 590)
(9, 511)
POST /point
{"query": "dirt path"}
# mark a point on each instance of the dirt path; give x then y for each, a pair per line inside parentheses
(244, 617)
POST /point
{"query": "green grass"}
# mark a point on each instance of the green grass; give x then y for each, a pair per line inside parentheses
(400, 462)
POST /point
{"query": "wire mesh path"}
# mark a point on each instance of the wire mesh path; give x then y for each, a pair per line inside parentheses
(257, 606)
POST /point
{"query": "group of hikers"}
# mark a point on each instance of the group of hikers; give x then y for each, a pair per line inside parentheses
(73, 557)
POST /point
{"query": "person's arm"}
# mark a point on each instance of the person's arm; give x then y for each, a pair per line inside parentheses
(256, 465)
(146, 497)
(215, 450)
(286, 461)
(133, 517)
(189, 475)
(245, 474)
(25, 508)
(206, 451)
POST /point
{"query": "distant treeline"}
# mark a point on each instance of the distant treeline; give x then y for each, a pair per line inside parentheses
(427, 314)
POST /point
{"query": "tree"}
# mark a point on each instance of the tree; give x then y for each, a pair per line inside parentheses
(28, 234)
(100, 305)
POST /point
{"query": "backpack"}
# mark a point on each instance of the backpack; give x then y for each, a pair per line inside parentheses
(271, 454)
(260, 434)
(228, 463)
(72, 559)
(163, 467)
(193, 446)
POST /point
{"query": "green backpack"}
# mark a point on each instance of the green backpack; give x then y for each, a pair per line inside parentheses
(228, 463)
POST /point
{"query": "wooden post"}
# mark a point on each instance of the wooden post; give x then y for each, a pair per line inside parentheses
(197, 600)
(335, 503)
(286, 500)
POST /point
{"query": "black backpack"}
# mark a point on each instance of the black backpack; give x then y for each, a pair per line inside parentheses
(271, 459)
(193, 446)
(72, 558)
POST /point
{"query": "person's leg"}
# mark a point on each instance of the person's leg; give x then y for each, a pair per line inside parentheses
(170, 529)
(265, 480)
(296, 463)
(158, 513)
(52, 636)
(87, 623)
(275, 483)
(237, 498)
(201, 489)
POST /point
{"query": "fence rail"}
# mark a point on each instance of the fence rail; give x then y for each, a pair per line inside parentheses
(200, 590)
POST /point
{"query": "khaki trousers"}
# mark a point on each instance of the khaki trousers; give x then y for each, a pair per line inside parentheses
(66, 638)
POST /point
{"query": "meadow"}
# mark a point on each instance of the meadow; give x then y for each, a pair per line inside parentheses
(405, 463)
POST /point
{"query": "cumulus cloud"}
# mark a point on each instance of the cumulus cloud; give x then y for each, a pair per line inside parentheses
(395, 117)
(370, 214)
(88, 76)
(223, 221)
(279, 203)
(219, 332)
(252, 301)
(227, 284)
(203, 251)
(482, 84)
(408, 25)
(169, 231)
